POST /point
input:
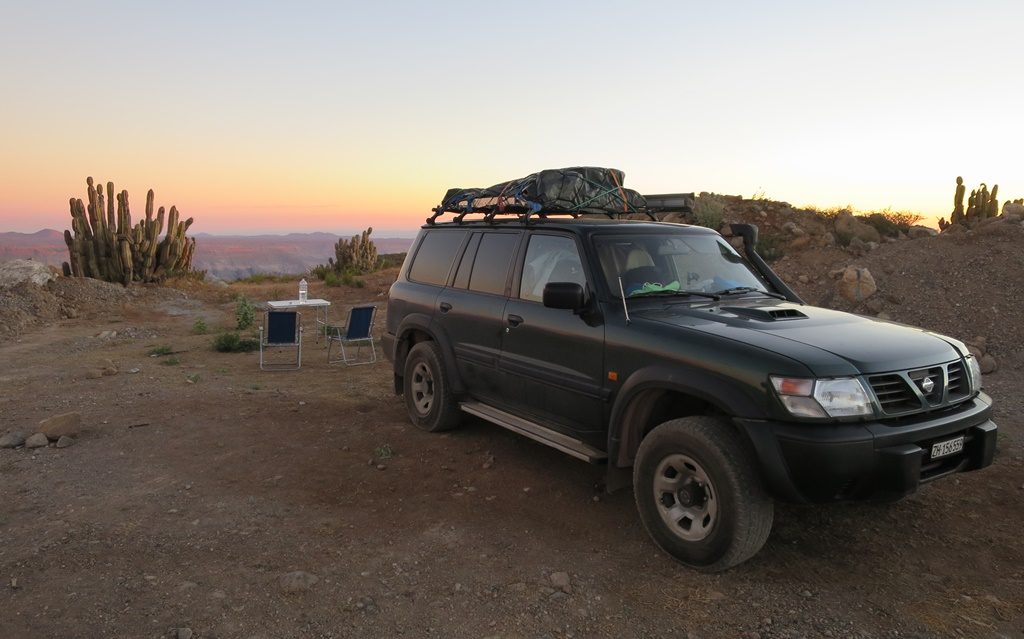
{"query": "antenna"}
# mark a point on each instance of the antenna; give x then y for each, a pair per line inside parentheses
(622, 292)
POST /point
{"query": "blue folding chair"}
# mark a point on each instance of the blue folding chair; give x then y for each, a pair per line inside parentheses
(281, 330)
(358, 331)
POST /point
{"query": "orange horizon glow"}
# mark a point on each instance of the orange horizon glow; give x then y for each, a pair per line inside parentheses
(348, 115)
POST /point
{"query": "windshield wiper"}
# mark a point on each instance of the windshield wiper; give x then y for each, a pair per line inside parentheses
(749, 289)
(713, 296)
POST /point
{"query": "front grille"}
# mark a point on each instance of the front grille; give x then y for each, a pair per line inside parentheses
(921, 388)
(957, 386)
(893, 393)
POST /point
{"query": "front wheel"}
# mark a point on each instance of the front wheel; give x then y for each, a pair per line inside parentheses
(699, 493)
(428, 397)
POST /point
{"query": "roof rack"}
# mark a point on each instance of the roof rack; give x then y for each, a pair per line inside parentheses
(572, 192)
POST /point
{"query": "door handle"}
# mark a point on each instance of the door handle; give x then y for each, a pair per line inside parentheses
(445, 307)
(514, 320)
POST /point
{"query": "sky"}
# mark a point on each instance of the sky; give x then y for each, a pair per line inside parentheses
(266, 117)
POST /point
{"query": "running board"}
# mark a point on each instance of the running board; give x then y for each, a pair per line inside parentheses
(534, 431)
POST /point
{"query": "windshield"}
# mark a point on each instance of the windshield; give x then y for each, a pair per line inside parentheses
(659, 263)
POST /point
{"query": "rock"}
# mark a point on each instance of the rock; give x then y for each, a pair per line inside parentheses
(109, 368)
(857, 246)
(182, 633)
(828, 239)
(916, 232)
(856, 284)
(95, 373)
(988, 364)
(561, 581)
(59, 425)
(12, 439)
(298, 581)
(801, 241)
(874, 305)
(17, 271)
(65, 441)
(803, 279)
(954, 229)
(134, 371)
(846, 224)
(37, 441)
(974, 350)
(1012, 208)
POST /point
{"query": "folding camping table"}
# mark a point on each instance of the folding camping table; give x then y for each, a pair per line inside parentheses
(319, 307)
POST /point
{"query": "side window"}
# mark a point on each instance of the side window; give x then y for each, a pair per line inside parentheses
(549, 258)
(490, 269)
(466, 265)
(435, 255)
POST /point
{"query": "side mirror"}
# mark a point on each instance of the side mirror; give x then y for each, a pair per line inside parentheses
(567, 295)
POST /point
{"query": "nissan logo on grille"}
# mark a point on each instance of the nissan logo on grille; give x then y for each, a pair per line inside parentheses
(927, 385)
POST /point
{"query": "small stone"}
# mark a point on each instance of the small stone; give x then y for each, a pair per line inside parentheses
(95, 373)
(561, 581)
(65, 441)
(63, 424)
(36, 441)
(805, 594)
(218, 594)
(12, 440)
(381, 467)
(183, 633)
(297, 581)
(803, 279)
(988, 364)
(558, 596)
(134, 371)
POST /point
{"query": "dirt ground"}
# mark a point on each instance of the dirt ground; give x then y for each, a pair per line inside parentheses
(196, 488)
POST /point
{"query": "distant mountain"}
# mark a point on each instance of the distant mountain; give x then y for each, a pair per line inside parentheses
(225, 256)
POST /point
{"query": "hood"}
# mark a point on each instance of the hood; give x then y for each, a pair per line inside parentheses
(870, 345)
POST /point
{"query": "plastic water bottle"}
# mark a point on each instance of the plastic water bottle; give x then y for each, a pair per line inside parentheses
(303, 290)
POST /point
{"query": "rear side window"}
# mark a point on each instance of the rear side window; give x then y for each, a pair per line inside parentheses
(490, 269)
(435, 256)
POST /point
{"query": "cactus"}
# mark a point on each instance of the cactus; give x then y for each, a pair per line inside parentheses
(957, 217)
(982, 204)
(358, 254)
(104, 245)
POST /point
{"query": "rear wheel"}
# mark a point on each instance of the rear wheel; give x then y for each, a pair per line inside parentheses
(428, 396)
(700, 495)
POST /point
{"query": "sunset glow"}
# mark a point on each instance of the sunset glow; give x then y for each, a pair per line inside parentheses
(258, 118)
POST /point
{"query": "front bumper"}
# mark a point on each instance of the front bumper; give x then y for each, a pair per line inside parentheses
(873, 460)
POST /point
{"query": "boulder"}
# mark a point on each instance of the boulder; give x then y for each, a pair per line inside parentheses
(846, 224)
(856, 284)
(1013, 208)
(59, 425)
(988, 364)
(857, 246)
(17, 271)
(37, 441)
(12, 439)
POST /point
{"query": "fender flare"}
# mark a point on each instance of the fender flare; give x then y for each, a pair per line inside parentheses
(424, 323)
(721, 392)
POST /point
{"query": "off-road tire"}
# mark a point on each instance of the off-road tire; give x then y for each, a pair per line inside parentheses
(428, 396)
(738, 508)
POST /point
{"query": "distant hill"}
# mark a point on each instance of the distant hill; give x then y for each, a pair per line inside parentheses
(228, 257)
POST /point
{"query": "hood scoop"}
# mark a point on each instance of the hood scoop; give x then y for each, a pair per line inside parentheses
(765, 314)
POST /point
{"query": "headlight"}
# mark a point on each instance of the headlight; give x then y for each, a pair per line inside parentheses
(838, 397)
(974, 370)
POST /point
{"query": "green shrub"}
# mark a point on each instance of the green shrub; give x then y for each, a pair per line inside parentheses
(882, 224)
(708, 212)
(170, 361)
(245, 313)
(843, 238)
(199, 327)
(160, 351)
(770, 247)
(234, 343)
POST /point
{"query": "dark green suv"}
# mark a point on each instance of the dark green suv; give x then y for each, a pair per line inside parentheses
(659, 348)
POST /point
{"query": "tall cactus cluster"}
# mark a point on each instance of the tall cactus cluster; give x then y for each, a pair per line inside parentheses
(982, 204)
(106, 246)
(358, 254)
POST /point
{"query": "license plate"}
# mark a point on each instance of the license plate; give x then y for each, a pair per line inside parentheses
(948, 447)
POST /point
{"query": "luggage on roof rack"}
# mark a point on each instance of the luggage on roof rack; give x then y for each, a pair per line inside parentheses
(571, 191)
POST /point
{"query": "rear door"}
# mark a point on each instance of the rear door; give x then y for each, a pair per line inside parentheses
(470, 310)
(552, 360)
